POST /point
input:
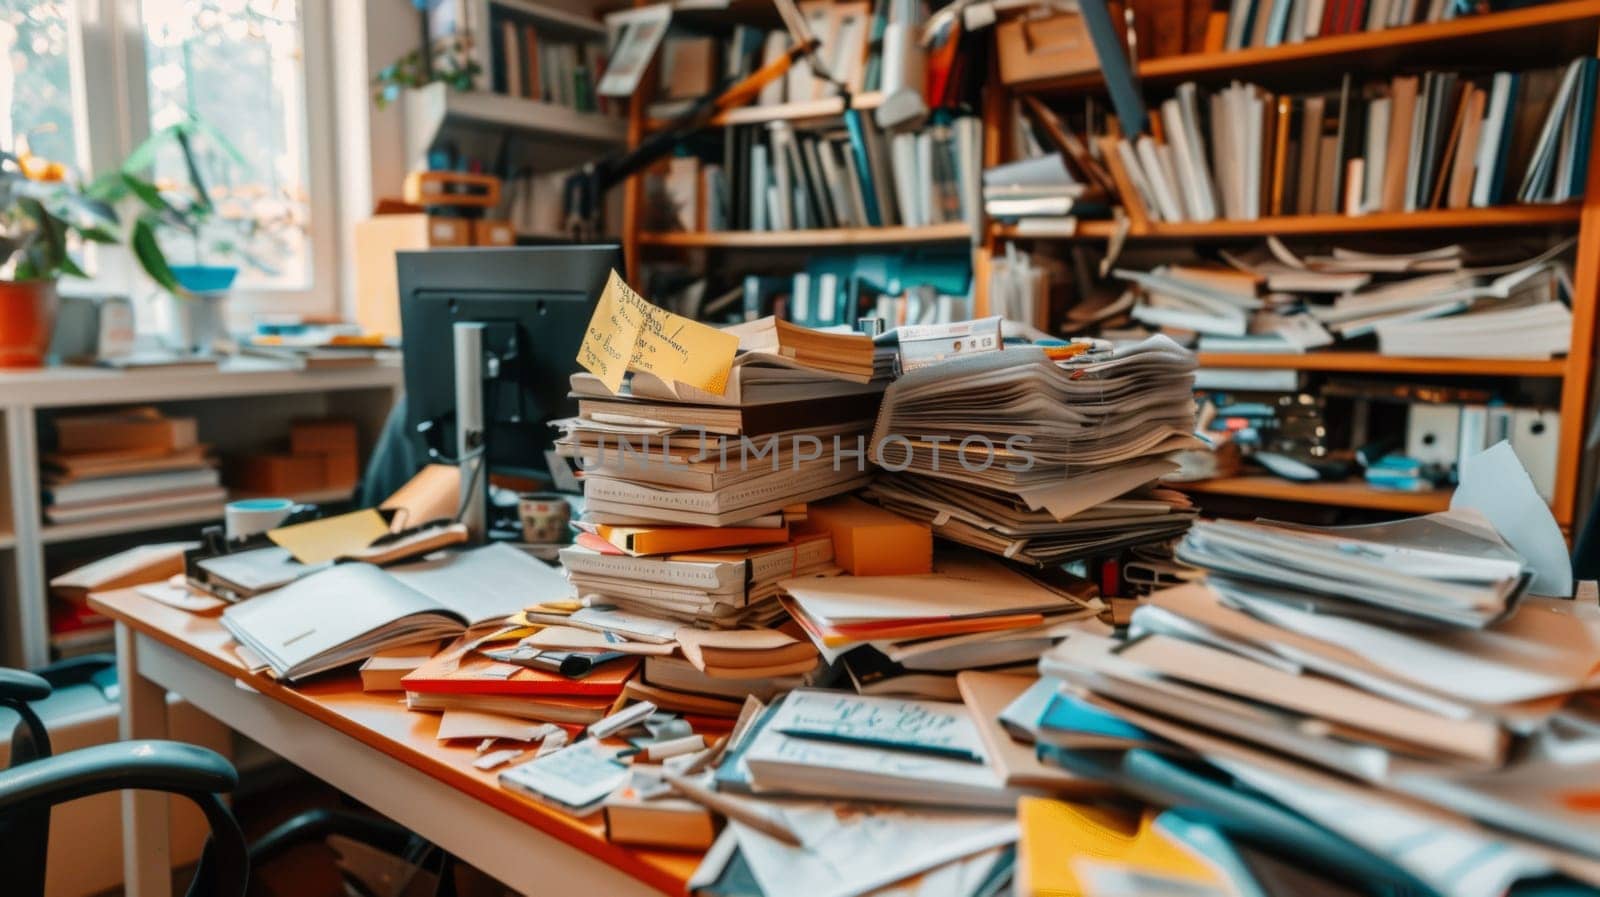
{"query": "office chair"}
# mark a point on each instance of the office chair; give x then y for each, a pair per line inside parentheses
(37, 781)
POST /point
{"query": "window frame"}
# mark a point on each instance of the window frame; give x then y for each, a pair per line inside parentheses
(107, 44)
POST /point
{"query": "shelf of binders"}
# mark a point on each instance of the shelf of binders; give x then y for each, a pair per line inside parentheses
(825, 107)
(809, 238)
(52, 533)
(1533, 35)
(1517, 216)
(1345, 494)
(1374, 363)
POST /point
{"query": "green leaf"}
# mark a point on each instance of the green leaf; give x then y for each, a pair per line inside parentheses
(98, 235)
(70, 267)
(151, 258)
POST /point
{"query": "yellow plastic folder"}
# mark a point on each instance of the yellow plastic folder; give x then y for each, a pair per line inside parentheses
(628, 333)
(1064, 846)
(323, 540)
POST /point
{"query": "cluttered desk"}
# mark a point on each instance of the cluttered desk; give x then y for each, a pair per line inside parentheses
(910, 613)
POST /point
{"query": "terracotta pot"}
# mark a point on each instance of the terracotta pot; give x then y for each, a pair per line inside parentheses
(27, 318)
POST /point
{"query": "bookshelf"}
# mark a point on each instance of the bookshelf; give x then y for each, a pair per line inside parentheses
(810, 238)
(1563, 215)
(1529, 37)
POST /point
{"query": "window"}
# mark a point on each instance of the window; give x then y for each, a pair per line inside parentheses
(238, 67)
(36, 84)
(241, 68)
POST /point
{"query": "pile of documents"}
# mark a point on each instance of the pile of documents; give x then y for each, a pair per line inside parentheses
(1385, 702)
(665, 453)
(1042, 456)
(1427, 303)
(129, 463)
(911, 634)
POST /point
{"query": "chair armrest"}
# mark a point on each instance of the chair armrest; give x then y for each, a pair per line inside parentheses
(21, 686)
(75, 670)
(136, 765)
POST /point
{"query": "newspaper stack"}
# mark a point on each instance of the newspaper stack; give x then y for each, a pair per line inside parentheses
(1041, 459)
(1390, 694)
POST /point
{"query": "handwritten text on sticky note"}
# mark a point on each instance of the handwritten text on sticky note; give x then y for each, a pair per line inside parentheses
(628, 333)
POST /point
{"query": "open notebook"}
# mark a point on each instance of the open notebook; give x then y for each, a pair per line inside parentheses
(349, 612)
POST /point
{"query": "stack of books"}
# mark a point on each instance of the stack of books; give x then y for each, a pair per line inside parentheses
(122, 464)
(1042, 455)
(1271, 300)
(454, 680)
(76, 628)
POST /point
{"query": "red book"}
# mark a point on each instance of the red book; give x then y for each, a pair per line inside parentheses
(1331, 17)
(478, 675)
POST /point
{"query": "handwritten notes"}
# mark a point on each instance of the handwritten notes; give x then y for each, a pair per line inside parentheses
(628, 333)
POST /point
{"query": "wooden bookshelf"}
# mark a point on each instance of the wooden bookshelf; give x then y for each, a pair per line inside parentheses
(1344, 494)
(1537, 35)
(810, 238)
(1373, 363)
(1502, 217)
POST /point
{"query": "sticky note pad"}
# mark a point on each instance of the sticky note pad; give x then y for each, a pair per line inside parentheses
(320, 541)
(627, 333)
(871, 541)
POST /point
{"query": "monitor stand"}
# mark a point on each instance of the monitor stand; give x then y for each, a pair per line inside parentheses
(472, 434)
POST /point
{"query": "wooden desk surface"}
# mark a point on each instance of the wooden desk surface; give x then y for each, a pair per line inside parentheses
(381, 721)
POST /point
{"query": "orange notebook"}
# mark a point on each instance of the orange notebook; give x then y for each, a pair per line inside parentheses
(674, 539)
(481, 676)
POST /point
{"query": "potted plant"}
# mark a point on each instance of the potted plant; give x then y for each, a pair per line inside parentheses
(42, 213)
(180, 237)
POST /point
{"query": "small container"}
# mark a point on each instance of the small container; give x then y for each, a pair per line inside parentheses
(544, 517)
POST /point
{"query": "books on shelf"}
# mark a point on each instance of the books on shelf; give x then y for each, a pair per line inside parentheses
(845, 172)
(122, 464)
(1272, 23)
(542, 61)
(1434, 140)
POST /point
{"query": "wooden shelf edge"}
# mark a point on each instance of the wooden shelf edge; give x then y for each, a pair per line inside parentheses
(51, 533)
(1175, 68)
(1289, 225)
(1347, 494)
(1373, 362)
(802, 110)
(808, 238)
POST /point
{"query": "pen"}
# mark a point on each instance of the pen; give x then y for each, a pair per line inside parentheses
(931, 750)
(752, 815)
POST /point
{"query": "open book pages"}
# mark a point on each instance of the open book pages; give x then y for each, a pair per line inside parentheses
(847, 355)
(349, 612)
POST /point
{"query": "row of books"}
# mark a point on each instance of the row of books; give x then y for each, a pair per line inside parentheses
(535, 65)
(1439, 140)
(1269, 23)
(779, 177)
(127, 463)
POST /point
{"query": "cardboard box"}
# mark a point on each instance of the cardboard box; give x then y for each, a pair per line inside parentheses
(1036, 49)
(129, 430)
(278, 475)
(871, 541)
(377, 240)
(493, 232)
(336, 441)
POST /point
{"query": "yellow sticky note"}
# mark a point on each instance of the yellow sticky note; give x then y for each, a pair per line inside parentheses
(323, 540)
(628, 333)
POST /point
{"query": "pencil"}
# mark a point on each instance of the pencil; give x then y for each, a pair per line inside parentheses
(749, 814)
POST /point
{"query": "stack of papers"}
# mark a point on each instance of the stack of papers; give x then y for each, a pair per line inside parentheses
(1388, 687)
(1040, 460)
(911, 634)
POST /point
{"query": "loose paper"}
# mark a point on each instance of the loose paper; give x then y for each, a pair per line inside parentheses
(474, 724)
(320, 541)
(1495, 484)
(628, 333)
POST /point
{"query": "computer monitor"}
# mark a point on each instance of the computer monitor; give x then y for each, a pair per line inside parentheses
(535, 303)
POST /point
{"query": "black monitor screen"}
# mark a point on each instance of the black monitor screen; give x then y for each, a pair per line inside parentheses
(535, 303)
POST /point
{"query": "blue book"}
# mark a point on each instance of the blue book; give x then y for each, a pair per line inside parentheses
(858, 148)
(1278, 24)
(1502, 156)
(1067, 713)
(1584, 127)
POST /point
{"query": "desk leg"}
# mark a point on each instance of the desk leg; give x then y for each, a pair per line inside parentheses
(146, 829)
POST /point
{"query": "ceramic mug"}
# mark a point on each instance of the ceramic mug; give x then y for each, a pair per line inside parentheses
(250, 516)
(544, 517)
